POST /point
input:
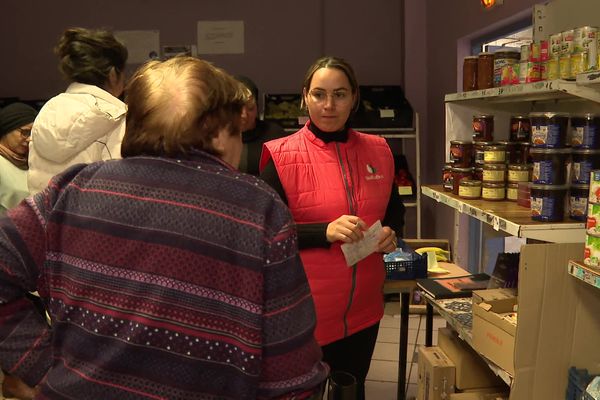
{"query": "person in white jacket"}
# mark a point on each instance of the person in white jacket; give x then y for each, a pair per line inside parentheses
(86, 123)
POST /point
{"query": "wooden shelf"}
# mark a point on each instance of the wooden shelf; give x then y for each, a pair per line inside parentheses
(509, 217)
(581, 271)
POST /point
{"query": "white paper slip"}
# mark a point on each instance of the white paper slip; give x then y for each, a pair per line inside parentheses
(354, 252)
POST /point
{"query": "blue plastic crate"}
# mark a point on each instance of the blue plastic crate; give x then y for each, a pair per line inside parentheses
(407, 269)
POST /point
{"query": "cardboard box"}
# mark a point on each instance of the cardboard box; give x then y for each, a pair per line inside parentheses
(479, 396)
(471, 371)
(493, 335)
(436, 374)
(559, 322)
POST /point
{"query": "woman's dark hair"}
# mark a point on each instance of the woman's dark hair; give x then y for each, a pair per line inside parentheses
(332, 62)
(87, 56)
(178, 105)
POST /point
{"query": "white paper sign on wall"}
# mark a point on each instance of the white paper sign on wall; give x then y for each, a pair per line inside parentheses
(220, 37)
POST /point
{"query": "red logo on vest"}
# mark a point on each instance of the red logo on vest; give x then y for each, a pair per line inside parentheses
(373, 175)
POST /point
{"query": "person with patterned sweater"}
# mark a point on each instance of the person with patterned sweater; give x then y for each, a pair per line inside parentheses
(161, 279)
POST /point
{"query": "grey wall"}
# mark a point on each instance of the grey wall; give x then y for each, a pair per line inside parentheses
(282, 37)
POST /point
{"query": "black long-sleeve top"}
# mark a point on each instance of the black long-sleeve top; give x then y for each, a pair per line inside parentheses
(314, 235)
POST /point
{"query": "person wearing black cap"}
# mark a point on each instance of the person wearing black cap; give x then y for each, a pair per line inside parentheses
(255, 131)
(16, 120)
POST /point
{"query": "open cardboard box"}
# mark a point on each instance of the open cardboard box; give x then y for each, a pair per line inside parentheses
(493, 335)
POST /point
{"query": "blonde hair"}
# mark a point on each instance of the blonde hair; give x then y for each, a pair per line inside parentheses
(180, 104)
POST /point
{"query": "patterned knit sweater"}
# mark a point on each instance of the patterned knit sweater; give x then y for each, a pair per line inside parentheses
(163, 279)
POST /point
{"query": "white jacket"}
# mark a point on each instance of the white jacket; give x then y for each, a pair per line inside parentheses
(83, 125)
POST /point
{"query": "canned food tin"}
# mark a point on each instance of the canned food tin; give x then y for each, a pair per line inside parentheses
(533, 72)
(502, 59)
(544, 53)
(548, 202)
(523, 71)
(583, 37)
(593, 216)
(552, 68)
(591, 254)
(469, 189)
(567, 45)
(584, 162)
(579, 62)
(494, 172)
(564, 67)
(549, 129)
(519, 172)
(594, 187)
(534, 52)
(525, 52)
(550, 166)
(578, 202)
(483, 128)
(555, 45)
(585, 131)
(493, 191)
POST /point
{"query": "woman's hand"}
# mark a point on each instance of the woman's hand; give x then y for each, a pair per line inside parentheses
(388, 241)
(347, 229)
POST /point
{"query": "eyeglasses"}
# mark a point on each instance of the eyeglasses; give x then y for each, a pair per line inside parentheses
(25, 132)
(339, 96)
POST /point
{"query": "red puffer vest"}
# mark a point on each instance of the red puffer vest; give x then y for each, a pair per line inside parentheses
(323, 181)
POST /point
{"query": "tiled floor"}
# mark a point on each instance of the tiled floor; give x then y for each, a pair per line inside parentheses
(383, 376)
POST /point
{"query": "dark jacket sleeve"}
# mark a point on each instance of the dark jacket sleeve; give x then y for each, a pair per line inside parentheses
(394, 214)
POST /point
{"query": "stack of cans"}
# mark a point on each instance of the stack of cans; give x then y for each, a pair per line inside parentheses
(574, 51)
(591, 255)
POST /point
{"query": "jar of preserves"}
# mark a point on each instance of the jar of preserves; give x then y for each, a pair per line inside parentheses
(485, 70)
(483, 128)
(447, 177)
(513, 152)
(478, 151)
(458, 174)
(524, 156)
(470, 73)
(461, 153)
(494, 154)
(512, 191)
(493, 191)
(520, 128)
(478, 173)
(469, 189)
(519, 172)
(494, 172)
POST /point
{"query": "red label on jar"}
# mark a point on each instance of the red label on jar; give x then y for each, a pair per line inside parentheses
(587, 253)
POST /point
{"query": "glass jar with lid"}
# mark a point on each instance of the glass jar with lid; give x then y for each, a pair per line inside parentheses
(469, 189)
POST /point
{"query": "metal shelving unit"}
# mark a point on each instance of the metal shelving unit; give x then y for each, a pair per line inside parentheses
(584, 273)
(509, 217)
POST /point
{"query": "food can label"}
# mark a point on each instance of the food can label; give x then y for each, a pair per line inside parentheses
(592, 250)
(577, 207)
(546, 135)
(494, 156)
(581, 171)
(543, 173)
(555, 44)
(594, 187)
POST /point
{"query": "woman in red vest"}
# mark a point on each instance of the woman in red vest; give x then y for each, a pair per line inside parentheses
(337, 182)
